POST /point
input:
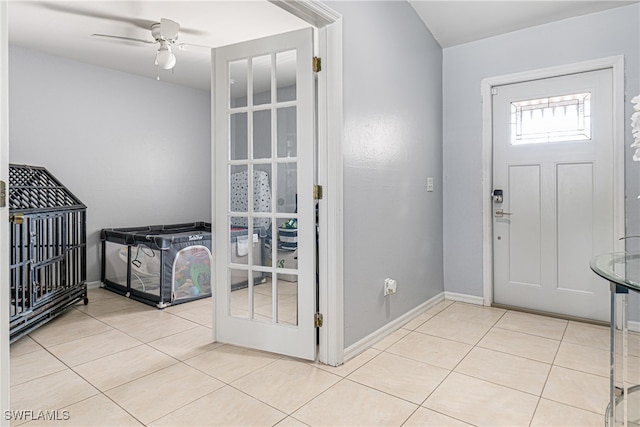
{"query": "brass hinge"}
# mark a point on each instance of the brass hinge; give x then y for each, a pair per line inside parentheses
(317, 320)
(316, 64)
(17, 218)
(3, 194)
(317, 192)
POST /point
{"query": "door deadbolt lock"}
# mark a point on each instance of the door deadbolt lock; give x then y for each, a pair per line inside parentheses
(497, 196)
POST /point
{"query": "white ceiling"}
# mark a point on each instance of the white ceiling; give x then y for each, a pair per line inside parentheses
(455, 22)
(64, 28)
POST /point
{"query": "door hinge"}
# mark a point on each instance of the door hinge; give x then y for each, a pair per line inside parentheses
(494, 91)
(3, 194)
(317, 192)
(316, 64)
(317, 320)
(17, 218)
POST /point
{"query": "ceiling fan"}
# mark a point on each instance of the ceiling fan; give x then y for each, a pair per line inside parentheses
(165, 33)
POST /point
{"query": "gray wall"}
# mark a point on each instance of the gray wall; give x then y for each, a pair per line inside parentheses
(609, 33)
(392, 143)
(135, 151)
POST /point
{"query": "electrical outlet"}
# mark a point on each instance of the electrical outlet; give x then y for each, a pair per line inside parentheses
(430, 183)
(390, 287)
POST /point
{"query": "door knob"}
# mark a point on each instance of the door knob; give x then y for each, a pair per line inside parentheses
(500, 213)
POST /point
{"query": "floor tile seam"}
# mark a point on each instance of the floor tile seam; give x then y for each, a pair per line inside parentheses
(490, 324)
(69, 367)
(542, 396)
(586, 345)
(526, 333)
(548, 366)
(63, 368)
(119, 406)
(606, 376)
(290, 416)
(41, 347)
(502, 385)
(101, 357)
(519, 356)
(79, 401)
(379, 391)
(95, 316)
(435, 336)
(407, 358)
(175, 361)
(455, 417)
(252, 371)
(182, 314)
(128, 381)
(220, 379)
(410, 415)
(96, 389)
(267, 404)
(222, 385)
(535, 410)
(395, 395)
(48, 348)
(572, 406)
(422, 361)
(234, 386)
(69, 341)
(195, 325)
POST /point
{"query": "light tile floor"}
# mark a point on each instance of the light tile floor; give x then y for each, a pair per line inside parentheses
(117, 362)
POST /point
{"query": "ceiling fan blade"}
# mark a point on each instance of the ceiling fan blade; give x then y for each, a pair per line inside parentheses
(80, 11)
(169, 29)
(190, 46)
(108, 36)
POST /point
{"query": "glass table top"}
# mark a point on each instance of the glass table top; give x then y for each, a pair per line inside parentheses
(622, 268)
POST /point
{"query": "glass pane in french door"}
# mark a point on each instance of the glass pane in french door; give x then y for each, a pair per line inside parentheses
(263, 211)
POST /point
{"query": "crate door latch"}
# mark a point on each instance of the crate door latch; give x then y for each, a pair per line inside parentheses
(3, 194)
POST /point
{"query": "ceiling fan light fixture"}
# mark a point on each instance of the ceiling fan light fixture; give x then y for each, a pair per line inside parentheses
(165, 59)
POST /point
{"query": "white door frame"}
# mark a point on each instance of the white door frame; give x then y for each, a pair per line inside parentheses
(616, 63)
(4, 214)
(330, 173)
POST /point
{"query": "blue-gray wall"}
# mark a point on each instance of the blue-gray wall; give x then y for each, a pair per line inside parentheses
(135, 151)
(392, 143)
(603, 34)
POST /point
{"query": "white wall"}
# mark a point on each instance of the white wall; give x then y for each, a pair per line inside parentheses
(603, 34)
(4, 216)
(134, 150)
(392, 143)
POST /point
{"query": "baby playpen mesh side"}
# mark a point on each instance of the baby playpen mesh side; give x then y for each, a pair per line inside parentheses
(158, 264)
(47, 249)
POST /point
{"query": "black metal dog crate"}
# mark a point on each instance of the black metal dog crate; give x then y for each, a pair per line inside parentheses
(158, 264)
(48, 238)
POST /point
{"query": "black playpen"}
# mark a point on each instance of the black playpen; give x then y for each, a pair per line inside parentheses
(48, 249)
(158, 265)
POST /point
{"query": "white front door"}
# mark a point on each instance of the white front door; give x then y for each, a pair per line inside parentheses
(553, 192)
(265, 219)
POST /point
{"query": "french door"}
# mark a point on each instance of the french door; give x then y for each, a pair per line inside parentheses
(265, 221)
(553, 192)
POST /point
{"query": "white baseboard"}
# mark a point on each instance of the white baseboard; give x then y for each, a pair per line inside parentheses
(94, 285)
(633, 326)
(470, 299)
(366, 342)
